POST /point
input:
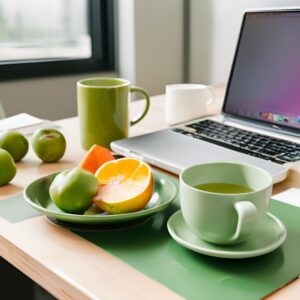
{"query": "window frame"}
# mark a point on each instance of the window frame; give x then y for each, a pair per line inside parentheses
(100, 28)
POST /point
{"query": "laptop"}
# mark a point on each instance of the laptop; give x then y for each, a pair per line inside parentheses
(260, 119)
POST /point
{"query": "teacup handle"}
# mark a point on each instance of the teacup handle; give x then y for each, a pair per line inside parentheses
(140, 116)
(247, 219)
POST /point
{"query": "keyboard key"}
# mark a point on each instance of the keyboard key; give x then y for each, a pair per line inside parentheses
(268, 152)
(285, 158)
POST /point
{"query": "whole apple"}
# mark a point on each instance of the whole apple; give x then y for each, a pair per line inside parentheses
(49, 144)
(15, 143)
(7, 167)
(72, 190)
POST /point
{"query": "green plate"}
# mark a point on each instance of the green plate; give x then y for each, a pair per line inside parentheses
(37, 195)
(270, 236)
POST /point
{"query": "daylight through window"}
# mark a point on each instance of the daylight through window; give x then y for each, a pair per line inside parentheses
(52, 37)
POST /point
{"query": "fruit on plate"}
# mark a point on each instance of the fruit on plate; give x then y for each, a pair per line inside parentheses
(15, 143)
(49, 144)
(72, 190)
(7, 167)
(95, 158)
(125, 185)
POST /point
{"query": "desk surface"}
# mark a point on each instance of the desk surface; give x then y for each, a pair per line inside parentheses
(70, 267)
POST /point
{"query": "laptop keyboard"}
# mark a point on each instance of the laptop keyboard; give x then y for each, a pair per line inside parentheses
(254, 144)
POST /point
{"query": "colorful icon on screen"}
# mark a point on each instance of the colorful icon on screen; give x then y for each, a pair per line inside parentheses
(292, 120)
(270, 116)
(298, 119)
(275, 118)
(286, 119)
(281, 118)
(266, 115)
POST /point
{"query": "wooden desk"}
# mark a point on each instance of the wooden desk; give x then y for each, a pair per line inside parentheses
(70, 267)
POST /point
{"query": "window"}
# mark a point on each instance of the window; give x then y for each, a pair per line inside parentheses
(53, 37)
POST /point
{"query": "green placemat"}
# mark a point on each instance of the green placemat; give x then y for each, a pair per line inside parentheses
(15, 209)
(150, 249)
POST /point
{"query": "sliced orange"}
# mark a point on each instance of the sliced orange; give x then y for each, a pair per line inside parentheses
(125, 185)
(94, 158)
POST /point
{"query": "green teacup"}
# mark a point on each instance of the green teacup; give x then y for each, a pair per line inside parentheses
(103, 110)
(224, 202)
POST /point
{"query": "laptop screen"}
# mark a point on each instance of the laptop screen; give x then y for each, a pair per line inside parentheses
(264, 82)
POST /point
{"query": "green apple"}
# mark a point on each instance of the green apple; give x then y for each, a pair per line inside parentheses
(7, 167)
(15, 143)
(72, 190)
(49, 144)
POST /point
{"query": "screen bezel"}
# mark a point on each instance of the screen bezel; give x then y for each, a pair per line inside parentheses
(261, 123)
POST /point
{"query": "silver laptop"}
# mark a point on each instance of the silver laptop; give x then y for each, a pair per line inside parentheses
(263, 92)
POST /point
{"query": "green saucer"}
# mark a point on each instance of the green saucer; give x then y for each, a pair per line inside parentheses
(269, 237)
(37, 195)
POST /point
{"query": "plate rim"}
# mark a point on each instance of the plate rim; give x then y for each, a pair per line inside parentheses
(105, 218)
(229, 254)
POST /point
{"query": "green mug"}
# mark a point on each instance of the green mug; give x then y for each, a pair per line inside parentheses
(224, 217)
(103, 110)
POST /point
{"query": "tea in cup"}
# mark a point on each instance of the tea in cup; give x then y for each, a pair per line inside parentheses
(224, 202)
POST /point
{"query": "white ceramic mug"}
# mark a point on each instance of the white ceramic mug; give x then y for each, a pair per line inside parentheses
(185, 102)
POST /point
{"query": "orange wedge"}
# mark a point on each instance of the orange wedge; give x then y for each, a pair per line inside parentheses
(94, 158)
(125, 185)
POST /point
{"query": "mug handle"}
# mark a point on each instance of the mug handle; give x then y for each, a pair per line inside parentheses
(213, 96)
(247, 218)
(140, 116)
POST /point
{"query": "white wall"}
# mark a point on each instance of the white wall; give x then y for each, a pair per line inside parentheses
(214, 31)
(49, 98)
(151, 42)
